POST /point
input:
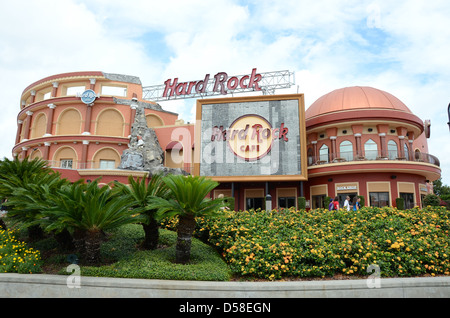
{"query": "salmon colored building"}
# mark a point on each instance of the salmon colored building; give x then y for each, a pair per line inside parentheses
(359, 141)
(87, 140)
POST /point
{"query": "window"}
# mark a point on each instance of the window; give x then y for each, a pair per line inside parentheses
(114, 90)
(286, 202)
(346, 150)
(107, 164)
(371, 149)
(318, 201)
(255, 203)
(409, 199)
(66, 163)
(323, 153)
(392, 150)
(379, 199)
(74, 90)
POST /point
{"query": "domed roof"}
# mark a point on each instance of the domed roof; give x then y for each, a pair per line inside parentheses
(356, 97)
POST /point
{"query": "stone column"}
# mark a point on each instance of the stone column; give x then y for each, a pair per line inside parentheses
(87, 123)
(55, 89)
(314, 143)
(46, 150)
(24, 152)
(92, 83)
(84, 153)
(383, 145)
(48, 132)
(333, 148)
(33, 96)
(26, 134)
(358, 145)
(19, 129)
(402, 147)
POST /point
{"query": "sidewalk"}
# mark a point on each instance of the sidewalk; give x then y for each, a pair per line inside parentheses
(57, 286)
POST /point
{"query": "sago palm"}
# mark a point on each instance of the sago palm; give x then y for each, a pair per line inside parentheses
(87, 210)
(140, 193)
(189, 200)
(24, 174)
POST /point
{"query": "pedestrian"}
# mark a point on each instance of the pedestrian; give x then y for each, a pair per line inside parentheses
(356, 203)
(331, 206)
(347, 203)
(336, 203)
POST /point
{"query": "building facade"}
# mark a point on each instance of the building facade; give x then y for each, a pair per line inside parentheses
(357, 141)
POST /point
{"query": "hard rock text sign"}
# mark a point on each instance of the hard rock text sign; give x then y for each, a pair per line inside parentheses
(222, 83)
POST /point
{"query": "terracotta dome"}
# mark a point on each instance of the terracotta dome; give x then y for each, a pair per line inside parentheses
(356, 97)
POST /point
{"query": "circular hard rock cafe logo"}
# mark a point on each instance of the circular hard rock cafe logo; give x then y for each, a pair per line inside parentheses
(250, 137)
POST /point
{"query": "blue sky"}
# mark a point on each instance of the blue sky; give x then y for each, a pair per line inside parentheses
(397, 46)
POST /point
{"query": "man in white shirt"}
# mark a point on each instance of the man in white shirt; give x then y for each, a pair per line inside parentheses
(347, 203)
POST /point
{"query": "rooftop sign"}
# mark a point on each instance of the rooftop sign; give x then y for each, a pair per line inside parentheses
(220, 84)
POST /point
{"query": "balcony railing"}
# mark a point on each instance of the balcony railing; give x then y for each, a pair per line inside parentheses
(371, 155)
(67, 164)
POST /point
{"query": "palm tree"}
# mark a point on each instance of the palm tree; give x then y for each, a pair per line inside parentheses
(188, 201)
(24, 174)
(141, 192)
(87, 210)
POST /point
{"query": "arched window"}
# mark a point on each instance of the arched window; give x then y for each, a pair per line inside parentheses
(110, 123)
(69, 122)
(371, 149)
(323, 153)
(392, 150)
(106, 158)
(66, 158)
(346, 150)
(154, 121)
(39, 126)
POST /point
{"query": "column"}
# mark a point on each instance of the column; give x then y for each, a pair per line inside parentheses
(55, 89)
(92, 83)
(33, 96)
(314, 143)
(24, 152)
(411, 150)
(87, 123)
(84, 153)
(333, 148)
(26, 134)
(46, 150)
(48, 132)
(402, 147)
(358, 146)
(383, 145)
(19, 129)
(133, 106)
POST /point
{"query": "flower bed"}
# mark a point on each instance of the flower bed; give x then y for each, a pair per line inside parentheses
(319, 243)
(16, 257)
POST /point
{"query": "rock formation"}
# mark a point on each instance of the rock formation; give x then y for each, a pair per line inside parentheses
(144, 152)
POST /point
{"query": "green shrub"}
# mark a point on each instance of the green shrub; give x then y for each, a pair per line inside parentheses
(400, 203)
(301, 203)
(431, 200)
(16, 256)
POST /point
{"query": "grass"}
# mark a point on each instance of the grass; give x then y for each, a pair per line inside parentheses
(122, 257)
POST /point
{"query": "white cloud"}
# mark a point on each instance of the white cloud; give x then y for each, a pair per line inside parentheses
(400, 47)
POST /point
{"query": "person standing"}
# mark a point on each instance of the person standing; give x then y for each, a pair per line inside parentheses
(347, 203)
